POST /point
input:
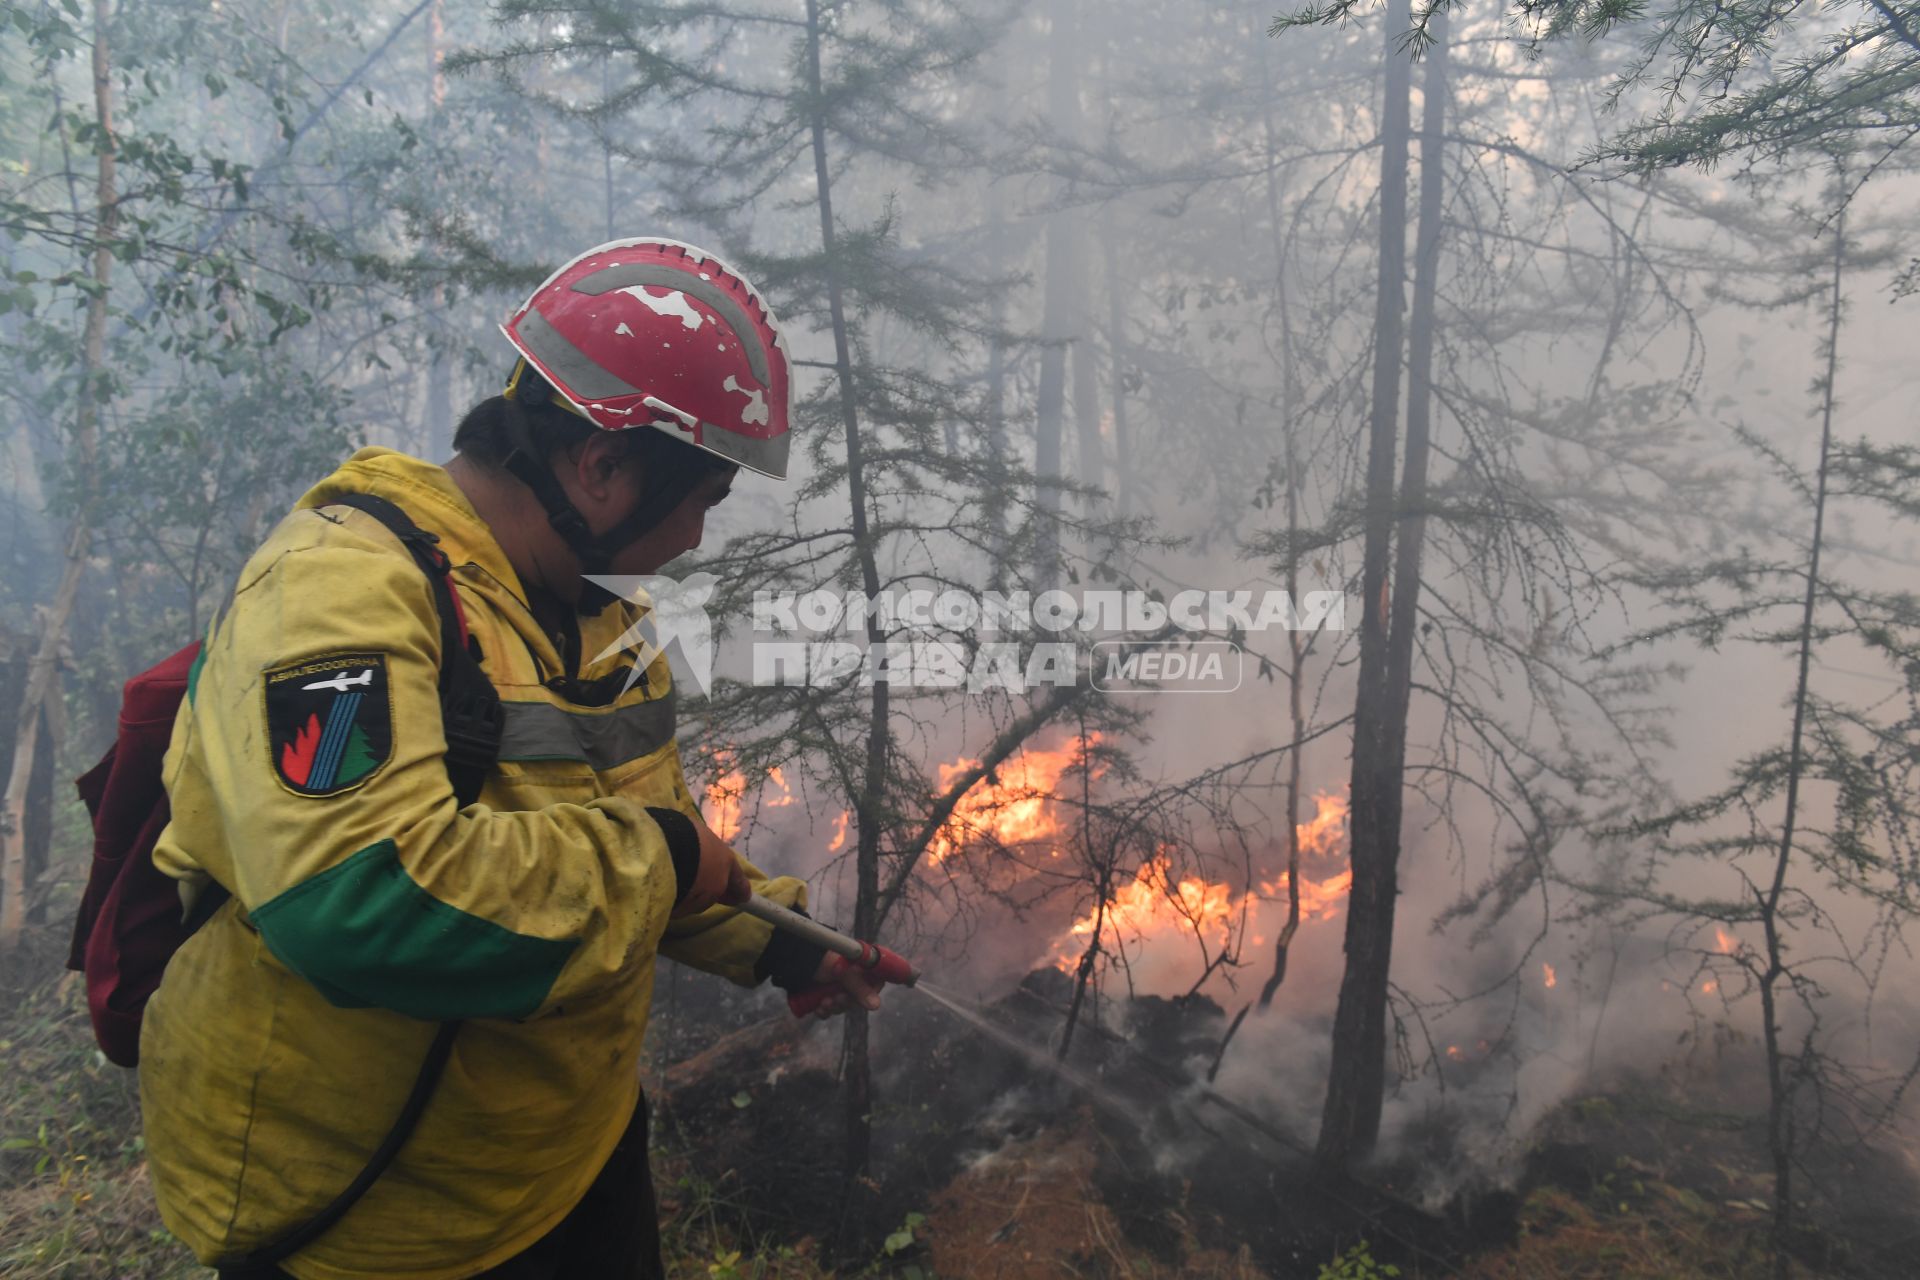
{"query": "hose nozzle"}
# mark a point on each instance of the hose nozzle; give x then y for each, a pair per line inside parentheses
(883, 963)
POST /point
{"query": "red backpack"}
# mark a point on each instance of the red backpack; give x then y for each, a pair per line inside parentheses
(129, 923)
(130, 920)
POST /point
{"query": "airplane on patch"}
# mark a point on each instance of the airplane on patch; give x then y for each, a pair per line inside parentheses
(342, 682)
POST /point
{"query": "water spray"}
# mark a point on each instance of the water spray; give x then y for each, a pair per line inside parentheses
(890, 966)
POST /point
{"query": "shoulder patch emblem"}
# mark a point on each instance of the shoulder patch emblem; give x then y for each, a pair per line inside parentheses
(329, 722)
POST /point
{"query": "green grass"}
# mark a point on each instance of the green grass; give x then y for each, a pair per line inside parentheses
(74, 1197)
(75, 1200)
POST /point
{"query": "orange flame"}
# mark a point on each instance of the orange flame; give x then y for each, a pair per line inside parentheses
(1011, 806)
(1015, 807)
(1152, 904)
(1156, 906)
(1321, 837)
(1326, 832)
(724, 796)
(1723, 942)
(839, 831)
(1319, 899)
(1553, 979)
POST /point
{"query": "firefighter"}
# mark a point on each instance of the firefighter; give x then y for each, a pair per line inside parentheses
(309, 775)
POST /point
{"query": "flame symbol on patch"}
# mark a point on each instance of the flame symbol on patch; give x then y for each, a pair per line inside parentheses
(296, 758)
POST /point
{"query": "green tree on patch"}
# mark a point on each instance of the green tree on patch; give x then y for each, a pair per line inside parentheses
(357, 760)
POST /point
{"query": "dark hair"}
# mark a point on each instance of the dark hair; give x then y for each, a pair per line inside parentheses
(485, 437)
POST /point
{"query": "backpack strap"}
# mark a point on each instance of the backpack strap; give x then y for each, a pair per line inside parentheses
(469, 704)
(470, 713)
(263, 1263)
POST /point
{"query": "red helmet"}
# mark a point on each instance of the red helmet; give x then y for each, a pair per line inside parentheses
(655, 333)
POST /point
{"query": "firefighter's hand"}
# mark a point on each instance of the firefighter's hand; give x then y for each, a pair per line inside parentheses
(851, 985)
(721, 878)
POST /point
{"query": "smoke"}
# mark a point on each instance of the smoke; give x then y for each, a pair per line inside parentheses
(1602, 378)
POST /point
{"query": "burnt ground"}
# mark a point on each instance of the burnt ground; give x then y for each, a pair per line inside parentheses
(1700, 1167)
(1017, 1174)
(989, 1166)
(1013, 1175)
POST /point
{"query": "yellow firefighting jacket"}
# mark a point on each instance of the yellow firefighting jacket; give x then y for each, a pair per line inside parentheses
(305, 774)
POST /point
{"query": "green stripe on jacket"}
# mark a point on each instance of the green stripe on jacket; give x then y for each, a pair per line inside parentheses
(364, 934)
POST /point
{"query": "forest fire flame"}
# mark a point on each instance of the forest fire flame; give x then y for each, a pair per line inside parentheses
(726, 796)
(1154, 903)
(1326, 832)
(1323, 840)
(1013, 804)
(1016, 806)
(1158, 905)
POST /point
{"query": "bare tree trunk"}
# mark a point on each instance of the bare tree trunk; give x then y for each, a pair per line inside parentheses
(997, 391)
(1089, 960)
(1103, 894)
(22, 465)
(606, 148)
(869, 806)
(1350, 1121)
(1296, 681)
(1413, 476)
(439, 406)
(43, 673)
(37, 821)
(1780, 1127)
(12, 691)
(436, 54)
(1296, 657)
(1090, 462)
(437, 442)
(1296, 647)
(1062, 300)
(1116, 362)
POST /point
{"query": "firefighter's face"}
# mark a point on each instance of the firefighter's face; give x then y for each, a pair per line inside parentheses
(606, 484)
(680, 532)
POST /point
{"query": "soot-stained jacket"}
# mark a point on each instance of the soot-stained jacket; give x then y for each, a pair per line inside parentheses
(305, 774)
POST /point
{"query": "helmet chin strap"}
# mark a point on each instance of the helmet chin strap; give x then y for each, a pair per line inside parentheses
(527, 463)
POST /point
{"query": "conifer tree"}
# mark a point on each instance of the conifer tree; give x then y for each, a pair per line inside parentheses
(788, 133)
